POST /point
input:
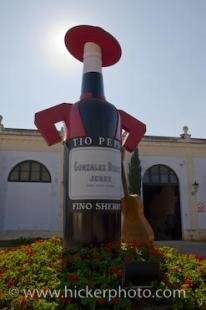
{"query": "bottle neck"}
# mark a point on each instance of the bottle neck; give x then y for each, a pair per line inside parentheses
(92, 81)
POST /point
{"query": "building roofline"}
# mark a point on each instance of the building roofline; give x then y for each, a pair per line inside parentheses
(16, 131)
(172, 139)
(146, 138)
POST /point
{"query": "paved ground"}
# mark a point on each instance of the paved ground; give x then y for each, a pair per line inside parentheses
(193, 247)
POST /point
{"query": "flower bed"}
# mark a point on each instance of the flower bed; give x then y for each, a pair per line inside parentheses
(43, 266)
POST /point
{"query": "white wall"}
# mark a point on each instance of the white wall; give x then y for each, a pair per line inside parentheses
(200, 177)
(37, 206)
(29, 206)
(179, 167)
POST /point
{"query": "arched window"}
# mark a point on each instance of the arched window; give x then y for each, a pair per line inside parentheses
(29, 171)
(160, 174)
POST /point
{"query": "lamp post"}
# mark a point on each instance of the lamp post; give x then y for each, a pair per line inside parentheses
(195, 187)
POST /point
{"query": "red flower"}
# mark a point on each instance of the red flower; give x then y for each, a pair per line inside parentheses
(10, 282)
(18, 247)
(22, 300)
(45, 289)
(198, 257)
(35, 297)
(101, 301)
(29, 252)
(117, 272)
(133, 245)
(185, 286)
(1, 274)
(154, 252)
(112, 245)
(39, 241)
(49, 264)
(73, 277)
(114, 301)
(188, 281)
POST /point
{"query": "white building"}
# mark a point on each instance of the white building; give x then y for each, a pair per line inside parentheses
(31, 185)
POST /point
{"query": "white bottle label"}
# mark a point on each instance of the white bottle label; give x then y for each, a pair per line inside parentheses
(95, 173)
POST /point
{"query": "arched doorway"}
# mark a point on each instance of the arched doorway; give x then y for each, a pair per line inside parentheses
(162, 202)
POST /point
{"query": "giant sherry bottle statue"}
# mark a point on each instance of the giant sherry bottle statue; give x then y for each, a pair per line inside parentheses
(92, 169)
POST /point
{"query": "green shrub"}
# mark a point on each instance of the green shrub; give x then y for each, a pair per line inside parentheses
(44, 265)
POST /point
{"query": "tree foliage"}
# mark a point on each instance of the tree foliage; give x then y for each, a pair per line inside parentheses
(135, 174)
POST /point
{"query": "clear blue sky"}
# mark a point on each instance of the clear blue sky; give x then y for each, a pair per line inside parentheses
(160, 79)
